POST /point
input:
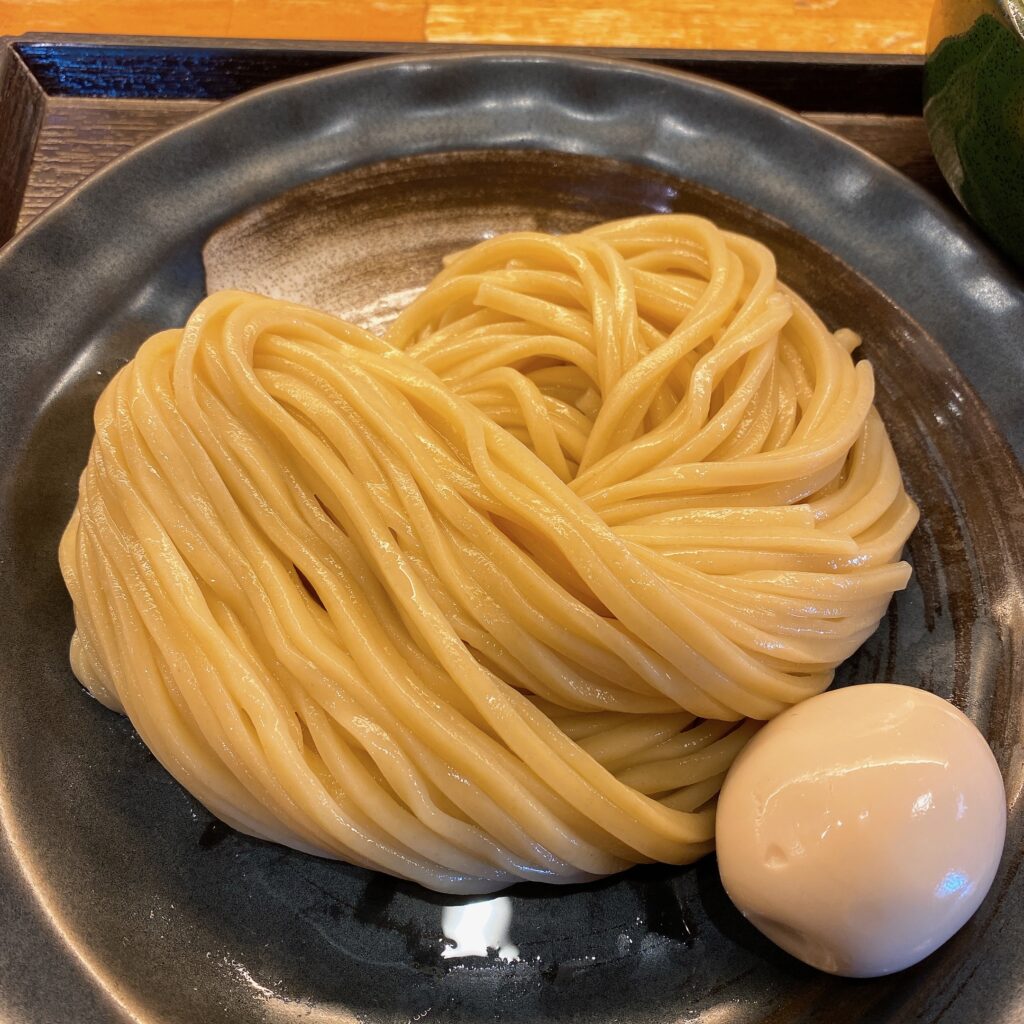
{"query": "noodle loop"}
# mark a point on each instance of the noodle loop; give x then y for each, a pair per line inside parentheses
(500, 595)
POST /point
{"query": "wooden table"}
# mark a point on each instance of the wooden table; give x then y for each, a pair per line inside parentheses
(855, 26)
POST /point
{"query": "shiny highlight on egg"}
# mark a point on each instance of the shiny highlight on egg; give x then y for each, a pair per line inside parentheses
(861, 829)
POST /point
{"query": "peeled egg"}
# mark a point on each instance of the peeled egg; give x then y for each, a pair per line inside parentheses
(860, 829)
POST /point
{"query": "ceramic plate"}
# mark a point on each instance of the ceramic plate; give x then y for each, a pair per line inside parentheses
(122, 898)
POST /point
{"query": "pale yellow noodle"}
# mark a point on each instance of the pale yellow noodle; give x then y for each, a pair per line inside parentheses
(500, 595)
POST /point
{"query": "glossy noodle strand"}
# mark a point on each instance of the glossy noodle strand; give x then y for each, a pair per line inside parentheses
(500, 595)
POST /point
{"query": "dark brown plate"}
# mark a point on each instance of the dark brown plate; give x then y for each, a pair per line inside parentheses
(123, 899)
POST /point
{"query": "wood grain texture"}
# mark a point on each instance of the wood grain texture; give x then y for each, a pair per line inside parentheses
(263, 19)
(78, 137)
(862, 26)
(22, 106)
(855, 26)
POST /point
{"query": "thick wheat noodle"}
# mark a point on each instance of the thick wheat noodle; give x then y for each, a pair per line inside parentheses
(500, 595)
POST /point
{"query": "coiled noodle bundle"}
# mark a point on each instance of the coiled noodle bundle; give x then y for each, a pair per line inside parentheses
(501, 595)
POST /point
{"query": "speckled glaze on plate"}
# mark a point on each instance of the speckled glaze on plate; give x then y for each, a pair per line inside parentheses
(122, 899)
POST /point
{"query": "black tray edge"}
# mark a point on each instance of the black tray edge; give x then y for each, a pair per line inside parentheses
(147, 67)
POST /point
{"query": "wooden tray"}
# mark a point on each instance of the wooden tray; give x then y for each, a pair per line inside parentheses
(71, 104)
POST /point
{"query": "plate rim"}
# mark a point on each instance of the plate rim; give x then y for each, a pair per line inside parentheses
(511, 54)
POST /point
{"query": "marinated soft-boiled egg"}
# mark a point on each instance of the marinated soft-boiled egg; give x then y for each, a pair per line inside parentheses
(860, 829)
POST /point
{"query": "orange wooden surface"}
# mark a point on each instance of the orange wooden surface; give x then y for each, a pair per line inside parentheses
(879, 26)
